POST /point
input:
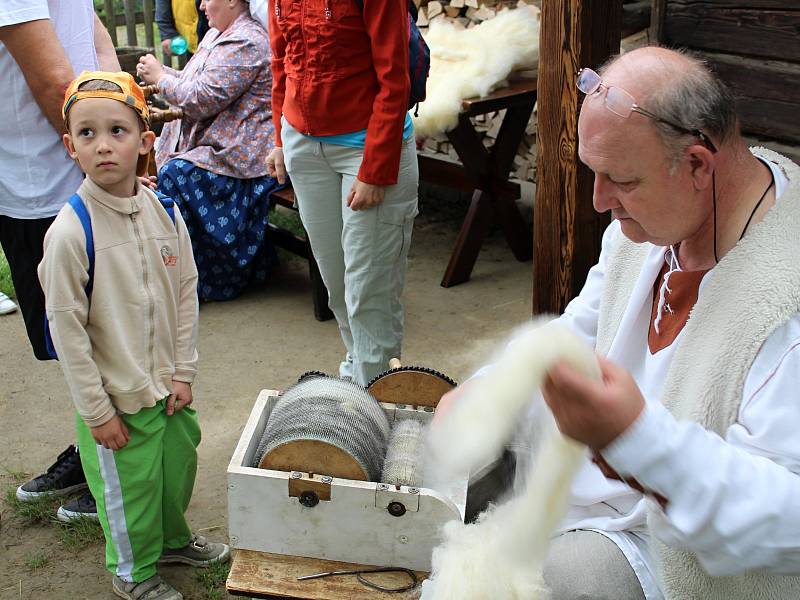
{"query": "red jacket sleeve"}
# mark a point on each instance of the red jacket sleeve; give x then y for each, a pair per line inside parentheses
(278, 45)
(386, 23)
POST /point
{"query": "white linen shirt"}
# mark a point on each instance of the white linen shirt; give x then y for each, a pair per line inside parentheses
(38, 175)
(735, 503)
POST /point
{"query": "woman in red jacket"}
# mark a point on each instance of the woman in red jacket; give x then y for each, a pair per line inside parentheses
(340, 96)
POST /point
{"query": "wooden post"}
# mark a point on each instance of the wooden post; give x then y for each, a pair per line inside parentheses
(130, 22)
(657, 15)
(567, 230)
(147, 8)
(111, 20)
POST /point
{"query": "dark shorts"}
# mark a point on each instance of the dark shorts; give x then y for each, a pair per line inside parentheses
(23, 245)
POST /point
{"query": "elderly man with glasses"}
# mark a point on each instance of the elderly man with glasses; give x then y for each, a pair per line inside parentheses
(692, 486)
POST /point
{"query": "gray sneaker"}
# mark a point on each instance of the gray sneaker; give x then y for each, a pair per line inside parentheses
(154, 588)
(198, 553)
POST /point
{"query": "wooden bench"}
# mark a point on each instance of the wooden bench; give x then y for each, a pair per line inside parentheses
(283, 238)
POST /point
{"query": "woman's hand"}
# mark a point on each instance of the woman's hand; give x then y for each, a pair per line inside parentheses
(112, 434)
(149, 69)
(275, 165)
(364, 196)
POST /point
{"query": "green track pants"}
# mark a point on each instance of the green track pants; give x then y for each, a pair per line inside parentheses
(143, 490)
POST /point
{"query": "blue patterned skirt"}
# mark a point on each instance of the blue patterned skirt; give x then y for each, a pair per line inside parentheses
(227, 221)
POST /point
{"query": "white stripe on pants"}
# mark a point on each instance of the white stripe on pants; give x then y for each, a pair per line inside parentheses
(362, 255)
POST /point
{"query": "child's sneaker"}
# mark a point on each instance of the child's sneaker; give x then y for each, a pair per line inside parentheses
(6, 304)
(64, 477)
(154, 588)
(82, 507)
(198, 553)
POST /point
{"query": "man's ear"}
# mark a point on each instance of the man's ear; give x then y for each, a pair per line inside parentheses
(701, 165)
(148, 139)
(67, 139)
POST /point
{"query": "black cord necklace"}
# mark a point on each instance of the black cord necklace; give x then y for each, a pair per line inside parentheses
(752, 214)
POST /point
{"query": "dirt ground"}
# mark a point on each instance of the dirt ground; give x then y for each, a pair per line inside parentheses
(264, 339)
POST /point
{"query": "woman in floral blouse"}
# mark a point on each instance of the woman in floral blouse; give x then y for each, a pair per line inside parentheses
(212, 161)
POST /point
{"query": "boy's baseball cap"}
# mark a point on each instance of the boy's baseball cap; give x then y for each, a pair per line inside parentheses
(131, 95)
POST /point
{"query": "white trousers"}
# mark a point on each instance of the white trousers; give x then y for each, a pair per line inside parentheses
(362, 255)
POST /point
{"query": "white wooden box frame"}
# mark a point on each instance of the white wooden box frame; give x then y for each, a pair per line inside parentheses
(353, 526)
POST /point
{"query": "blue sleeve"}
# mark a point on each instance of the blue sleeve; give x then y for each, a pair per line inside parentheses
(165, 20)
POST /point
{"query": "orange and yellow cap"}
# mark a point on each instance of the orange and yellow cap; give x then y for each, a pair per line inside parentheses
(131, 96)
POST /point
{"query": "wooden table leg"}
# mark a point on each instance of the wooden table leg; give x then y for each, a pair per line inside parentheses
(491, 200)
(470, 239)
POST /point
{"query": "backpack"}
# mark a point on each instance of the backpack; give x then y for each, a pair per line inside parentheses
(76, 202)
(419, 58)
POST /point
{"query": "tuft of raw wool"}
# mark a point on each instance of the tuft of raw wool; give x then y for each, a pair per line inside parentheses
(403, 465)
(501, 555)
(472, 62)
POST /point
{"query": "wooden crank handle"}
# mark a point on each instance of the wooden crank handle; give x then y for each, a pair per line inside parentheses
(165, 116)
(394, 363)
(149, 90)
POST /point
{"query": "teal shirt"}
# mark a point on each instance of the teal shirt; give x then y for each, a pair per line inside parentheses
(357, 139)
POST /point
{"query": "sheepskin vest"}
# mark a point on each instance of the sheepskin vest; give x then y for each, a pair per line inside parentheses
(755, 289)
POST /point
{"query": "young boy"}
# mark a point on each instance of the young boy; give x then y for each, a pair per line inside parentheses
(127, 345)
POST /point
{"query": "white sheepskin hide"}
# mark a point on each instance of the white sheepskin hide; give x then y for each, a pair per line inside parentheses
(501, 555)
(471, 62)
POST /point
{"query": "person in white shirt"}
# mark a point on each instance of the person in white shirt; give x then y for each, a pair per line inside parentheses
(43, 43)
(693, 485)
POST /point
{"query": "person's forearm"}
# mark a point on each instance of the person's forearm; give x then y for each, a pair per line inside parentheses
(165, 20)
(736, 511)
(44, 64)
(106, 54)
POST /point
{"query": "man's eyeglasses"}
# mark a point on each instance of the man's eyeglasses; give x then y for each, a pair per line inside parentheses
(621, 103)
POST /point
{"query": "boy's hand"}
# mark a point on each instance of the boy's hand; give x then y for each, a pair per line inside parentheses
(112, 435)
(149, 181)
(181, 396)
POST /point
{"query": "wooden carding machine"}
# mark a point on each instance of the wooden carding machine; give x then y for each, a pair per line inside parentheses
(330, 470)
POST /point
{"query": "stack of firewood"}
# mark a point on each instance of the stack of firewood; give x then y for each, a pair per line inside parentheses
(467, 13)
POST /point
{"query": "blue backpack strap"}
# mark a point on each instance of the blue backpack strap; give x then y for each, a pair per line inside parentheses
(76, 202)
(168, 204)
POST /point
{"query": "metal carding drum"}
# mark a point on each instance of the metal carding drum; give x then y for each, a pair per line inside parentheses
(327, 426)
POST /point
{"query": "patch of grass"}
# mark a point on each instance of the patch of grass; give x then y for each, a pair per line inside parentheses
(39, 511)
(287, 219)
(79, 533)
(6, 285)
(42, 511)
(213, 580)
(36, 560)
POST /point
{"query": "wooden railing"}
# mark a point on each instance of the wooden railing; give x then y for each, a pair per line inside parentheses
(130, 18)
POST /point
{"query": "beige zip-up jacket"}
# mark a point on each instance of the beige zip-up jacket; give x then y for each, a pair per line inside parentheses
(121, 348)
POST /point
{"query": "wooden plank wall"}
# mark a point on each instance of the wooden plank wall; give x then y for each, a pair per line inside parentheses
(755, 46)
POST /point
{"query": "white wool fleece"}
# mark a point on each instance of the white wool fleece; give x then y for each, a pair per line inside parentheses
(501, 555)
(471, 62)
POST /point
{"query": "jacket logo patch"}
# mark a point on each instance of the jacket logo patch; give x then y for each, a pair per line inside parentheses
(170, 259)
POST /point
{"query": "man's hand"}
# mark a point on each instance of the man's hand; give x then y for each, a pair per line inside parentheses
(149, 69)
(112, 435)
(165, 46)
(275, 165)
(364, 196)
(181, 396)
(590, 411)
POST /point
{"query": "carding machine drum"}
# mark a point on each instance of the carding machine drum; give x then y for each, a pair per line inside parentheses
(328, 426)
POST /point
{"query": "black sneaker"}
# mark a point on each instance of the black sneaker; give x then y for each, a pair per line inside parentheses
(64, 477)
(82, 507)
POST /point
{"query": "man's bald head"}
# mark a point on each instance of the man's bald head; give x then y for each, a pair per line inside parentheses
(678, 88)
